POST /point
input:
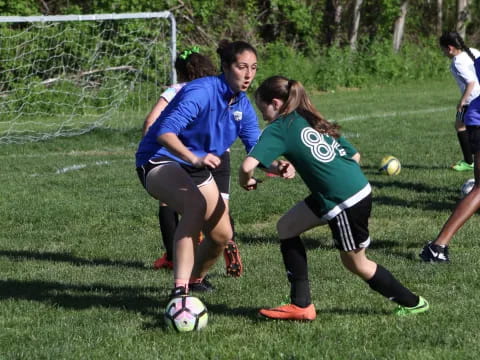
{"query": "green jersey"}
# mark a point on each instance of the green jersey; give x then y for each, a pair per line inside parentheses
(324, 163)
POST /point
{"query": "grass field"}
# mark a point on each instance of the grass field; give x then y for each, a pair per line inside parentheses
(79, 235)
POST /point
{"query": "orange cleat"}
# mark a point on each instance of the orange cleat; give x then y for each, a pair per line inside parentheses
(163, 263)
(233, 262)
(201, 237)
(290, 312)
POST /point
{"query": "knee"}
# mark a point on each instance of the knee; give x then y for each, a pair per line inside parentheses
(221, 234)
(364, 267)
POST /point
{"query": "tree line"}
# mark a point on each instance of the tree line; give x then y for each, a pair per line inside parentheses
(302, 24)
(325, 44)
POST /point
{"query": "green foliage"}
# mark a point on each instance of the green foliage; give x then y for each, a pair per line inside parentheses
(372, 63)
(19, 7)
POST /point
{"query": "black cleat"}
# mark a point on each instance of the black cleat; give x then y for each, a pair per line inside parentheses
(434, 253)
(204, 286)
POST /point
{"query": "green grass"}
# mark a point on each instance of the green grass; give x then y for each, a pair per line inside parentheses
(79, 235)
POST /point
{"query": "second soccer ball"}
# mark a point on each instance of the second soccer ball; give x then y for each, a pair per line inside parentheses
(390, 165)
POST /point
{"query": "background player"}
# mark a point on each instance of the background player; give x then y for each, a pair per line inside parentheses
(462, 70)
(437, 251)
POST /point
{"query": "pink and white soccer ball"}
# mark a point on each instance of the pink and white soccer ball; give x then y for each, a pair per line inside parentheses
(186, 313)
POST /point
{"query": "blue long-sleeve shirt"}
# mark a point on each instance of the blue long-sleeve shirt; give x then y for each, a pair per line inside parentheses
(200, 115)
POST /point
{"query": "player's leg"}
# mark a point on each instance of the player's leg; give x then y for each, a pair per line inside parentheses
(462, 135)
(383, 282)
(231, 253)
(217, 230)
(351, 236)
(174, 187)
(167, 220)
(437, 251)
(297, 220)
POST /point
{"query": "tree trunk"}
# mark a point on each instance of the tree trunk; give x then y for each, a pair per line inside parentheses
(332, 19)
(463, 15)
(356, 24)
(439, 16)
(400, 26)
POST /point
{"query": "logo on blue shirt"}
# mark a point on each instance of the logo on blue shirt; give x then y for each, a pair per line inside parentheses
(237, 115)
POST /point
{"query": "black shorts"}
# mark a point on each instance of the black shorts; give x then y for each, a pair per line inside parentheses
(200, 176)
(474, 138)
(221, 175)
(350, 227)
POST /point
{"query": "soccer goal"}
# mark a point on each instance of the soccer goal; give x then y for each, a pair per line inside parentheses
(66, 75)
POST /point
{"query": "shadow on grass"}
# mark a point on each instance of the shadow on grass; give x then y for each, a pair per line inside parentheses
(21, 255)
(309, 242)
(353, 311)
(82, 297)
(371, 169)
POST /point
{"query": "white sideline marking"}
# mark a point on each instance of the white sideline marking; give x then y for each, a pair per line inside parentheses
(78, 167)
(393, 114)
(70, 168)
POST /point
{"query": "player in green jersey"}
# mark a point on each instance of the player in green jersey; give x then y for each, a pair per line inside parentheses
(340, 196)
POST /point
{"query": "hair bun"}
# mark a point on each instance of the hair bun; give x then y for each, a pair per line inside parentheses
(222, 45)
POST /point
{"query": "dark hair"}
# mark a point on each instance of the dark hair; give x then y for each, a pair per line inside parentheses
(454, 39)
(295, 98)
(228, 51)
(194, 66)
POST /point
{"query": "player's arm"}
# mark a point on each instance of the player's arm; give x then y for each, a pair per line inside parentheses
(176, 146)
(154, 114)
(465, 95)
(356, 157)
(282, 168)
(245, 173)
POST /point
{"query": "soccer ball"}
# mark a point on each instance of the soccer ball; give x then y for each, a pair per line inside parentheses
(467, 187)
(186, 313)
(390, 165)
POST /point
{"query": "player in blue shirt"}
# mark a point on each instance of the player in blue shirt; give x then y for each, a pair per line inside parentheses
(176, 155)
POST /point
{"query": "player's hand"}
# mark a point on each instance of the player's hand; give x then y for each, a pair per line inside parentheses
(251, 184)
(209, 160)
(286, 170)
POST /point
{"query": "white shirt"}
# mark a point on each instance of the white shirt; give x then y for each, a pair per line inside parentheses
(464, 73)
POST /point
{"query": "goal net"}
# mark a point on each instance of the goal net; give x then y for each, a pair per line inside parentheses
(66, 75)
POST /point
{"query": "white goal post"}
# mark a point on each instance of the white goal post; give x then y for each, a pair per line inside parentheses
(65, 75)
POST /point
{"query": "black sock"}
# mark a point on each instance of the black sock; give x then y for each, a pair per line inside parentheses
(168, 220)
(295, 260)
(384, 283)
(233, 226)
(465, 146)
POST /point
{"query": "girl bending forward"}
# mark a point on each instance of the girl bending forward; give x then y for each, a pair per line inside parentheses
(340, 196)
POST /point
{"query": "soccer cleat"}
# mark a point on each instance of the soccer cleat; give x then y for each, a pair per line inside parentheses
(203, 286)
(233, 262)
(434, 253)
(201, 237)
(178, 291)
(462, 166)
(163, 263)
(405, 311)
(290, 312)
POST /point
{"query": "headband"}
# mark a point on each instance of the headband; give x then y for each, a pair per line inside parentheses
(188, 52)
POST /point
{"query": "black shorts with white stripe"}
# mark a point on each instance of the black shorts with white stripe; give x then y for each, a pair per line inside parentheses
(350, 227)
(200, 176)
